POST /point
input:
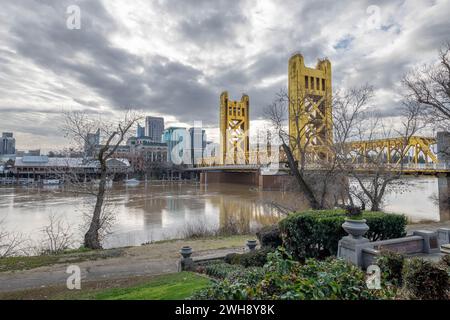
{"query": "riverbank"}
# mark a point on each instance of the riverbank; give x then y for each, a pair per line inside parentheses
(35, 277)
(117, 273)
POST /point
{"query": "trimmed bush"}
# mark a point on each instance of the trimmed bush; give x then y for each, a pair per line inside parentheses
(255, 258)
(391, 265)
(312, 234)
(425, 280)
(270, 237)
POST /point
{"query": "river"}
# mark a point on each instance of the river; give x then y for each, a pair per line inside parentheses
(158, 211)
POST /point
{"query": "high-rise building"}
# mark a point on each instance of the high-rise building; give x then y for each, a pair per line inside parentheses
(154, 128)
(91, 143)
(8, 144)
(177, 140)
(140, 131)
(197, 144)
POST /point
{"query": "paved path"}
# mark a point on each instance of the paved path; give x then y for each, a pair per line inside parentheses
(138, 261)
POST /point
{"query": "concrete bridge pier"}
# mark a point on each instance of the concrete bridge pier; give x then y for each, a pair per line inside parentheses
(443, 154)
(444, 197)
(248, 178)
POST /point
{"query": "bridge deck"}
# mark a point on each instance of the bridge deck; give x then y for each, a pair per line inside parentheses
(422, 168)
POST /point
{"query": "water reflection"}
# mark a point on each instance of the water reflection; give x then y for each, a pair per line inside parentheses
(161, 211)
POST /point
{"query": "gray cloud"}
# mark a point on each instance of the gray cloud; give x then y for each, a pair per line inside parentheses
(179, 55)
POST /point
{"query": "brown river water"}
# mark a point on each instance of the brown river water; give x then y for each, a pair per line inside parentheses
(158, 211)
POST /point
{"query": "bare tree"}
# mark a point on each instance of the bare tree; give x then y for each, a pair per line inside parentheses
(11, 243)
(367, 164)
(429, 86)
(316, 165)
(293, 143)
(57, 236)
(81, 127)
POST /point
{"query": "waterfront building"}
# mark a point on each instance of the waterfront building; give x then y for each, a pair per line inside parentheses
(91, 143)
(140, 131)
(178, 145)
(147, 155)
(197, 138)
(43, 167)
(154, 128)
(7, 144)
(36, 152)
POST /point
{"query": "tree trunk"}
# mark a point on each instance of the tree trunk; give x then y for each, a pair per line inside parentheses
(91, 238)
(314, 204)
(375, 206)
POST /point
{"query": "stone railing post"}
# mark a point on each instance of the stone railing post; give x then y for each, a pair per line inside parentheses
(186, 262)
(350, 247)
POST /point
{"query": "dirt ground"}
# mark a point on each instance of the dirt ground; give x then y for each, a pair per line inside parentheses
(132, 263)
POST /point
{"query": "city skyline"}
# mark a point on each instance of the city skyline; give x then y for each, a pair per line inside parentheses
(129, 55)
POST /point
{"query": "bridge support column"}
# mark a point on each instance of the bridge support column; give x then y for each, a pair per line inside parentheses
(444, 197)
(246, 178)
(443, 147)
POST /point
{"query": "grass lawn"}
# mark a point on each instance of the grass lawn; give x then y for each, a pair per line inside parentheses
(175, 286)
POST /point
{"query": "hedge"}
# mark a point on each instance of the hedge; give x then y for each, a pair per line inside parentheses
(317, 233)
(256, 258)
(270, 236)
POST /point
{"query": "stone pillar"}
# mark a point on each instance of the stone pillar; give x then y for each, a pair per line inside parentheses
(350, 247)
(443, 153)
(444, 197)
(443, 235)
(443, 146)
(430, 240)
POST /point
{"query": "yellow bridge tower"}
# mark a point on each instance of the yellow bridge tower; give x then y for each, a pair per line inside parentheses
(234, 126)
(310, 107)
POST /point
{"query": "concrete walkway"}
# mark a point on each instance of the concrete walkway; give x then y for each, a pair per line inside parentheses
(137, 261)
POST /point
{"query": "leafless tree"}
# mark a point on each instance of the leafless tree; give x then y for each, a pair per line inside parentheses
(11, 243)
(314, 173)
(295, 143)
(80, 127)
(57, 236)
(368, 165)
(429, 86)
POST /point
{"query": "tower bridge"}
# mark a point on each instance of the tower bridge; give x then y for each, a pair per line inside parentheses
(310, 118)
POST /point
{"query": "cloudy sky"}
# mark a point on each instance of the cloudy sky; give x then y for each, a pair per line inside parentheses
(173, 58)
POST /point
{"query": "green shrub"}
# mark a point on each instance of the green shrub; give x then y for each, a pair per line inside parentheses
(270, 236)
(425, 280)
(317, 233)
(250, 276)
(284, 278)
(256, 258)
(445, 260)
(223, 290)
(234, 285)
(219, 270)
(391, 265)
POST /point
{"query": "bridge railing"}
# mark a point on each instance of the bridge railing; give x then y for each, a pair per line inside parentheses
(407, 167)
